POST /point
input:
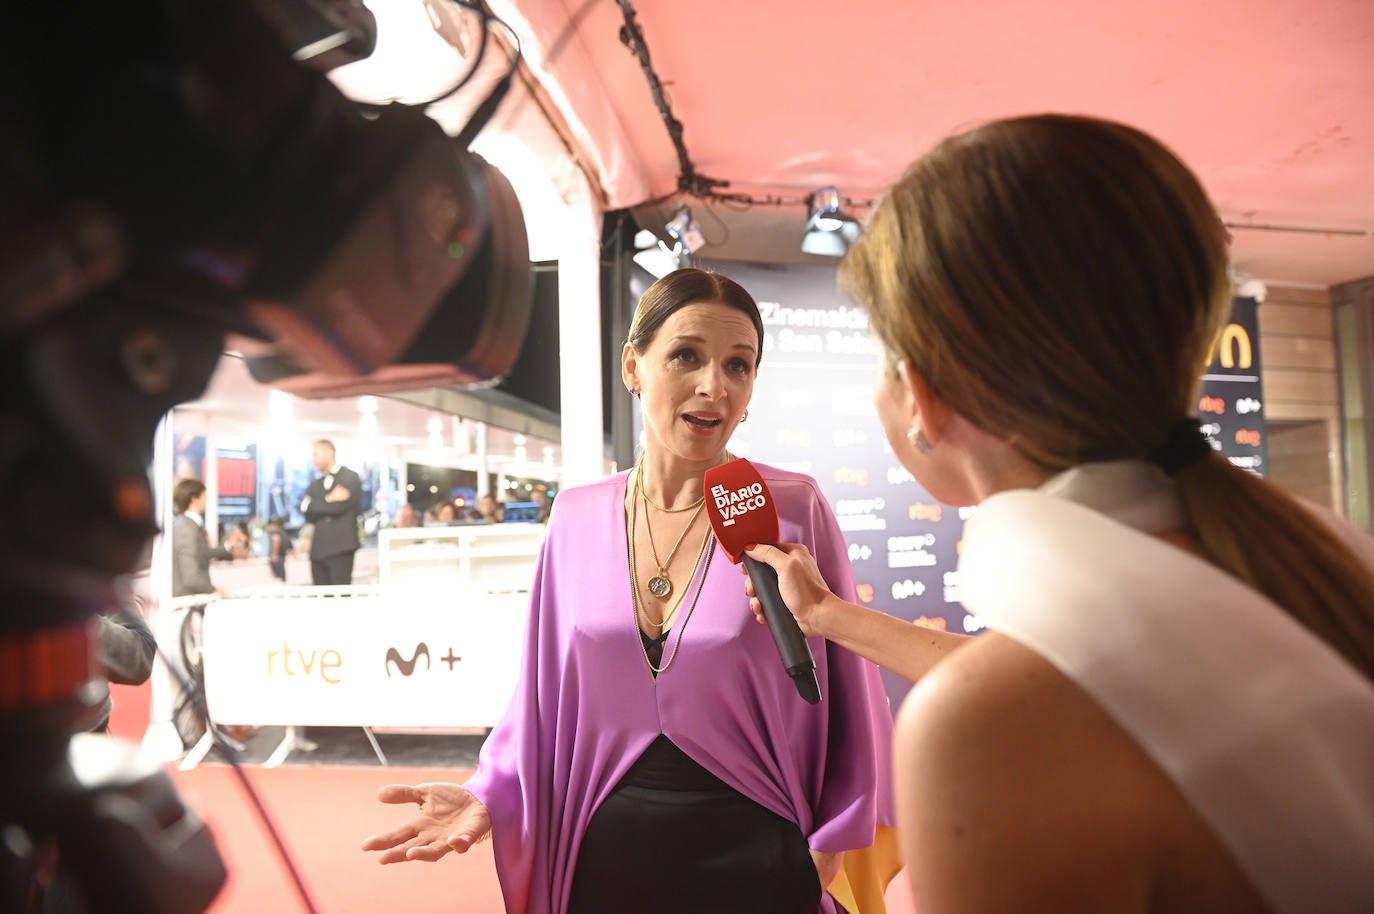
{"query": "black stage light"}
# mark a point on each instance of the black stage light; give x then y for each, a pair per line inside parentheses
(829, 229)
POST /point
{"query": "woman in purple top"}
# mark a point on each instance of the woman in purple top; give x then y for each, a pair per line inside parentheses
(655, 755)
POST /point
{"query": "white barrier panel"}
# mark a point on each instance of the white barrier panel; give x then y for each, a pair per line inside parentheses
(368, 660)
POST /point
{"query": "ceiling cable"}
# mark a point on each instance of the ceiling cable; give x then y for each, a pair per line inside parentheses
(690, 182)
(1299, 230)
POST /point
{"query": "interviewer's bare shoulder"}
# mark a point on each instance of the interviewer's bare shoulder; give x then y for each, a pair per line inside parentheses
(1017, 792)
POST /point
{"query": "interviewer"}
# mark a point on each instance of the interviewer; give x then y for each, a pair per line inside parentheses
(1173, 709)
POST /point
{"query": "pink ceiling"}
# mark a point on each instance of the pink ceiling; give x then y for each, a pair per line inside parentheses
(1270, 101)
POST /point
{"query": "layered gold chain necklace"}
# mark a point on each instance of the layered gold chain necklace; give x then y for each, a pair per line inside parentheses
(636, 603)
(660, 585)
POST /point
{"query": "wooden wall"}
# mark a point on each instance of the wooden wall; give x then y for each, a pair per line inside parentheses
(1301, 393)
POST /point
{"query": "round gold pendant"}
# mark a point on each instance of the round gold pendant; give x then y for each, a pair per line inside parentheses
(660, 586)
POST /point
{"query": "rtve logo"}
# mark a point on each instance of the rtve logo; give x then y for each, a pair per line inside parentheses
(306, 663)
(1248, 405)
(859, 553)
(1233, 349)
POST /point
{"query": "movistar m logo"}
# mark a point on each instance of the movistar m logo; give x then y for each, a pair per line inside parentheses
(406, 666)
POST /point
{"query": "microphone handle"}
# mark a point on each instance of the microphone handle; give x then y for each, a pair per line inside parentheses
(787, 634)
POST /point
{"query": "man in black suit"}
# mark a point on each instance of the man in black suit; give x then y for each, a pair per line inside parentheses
(332, 504)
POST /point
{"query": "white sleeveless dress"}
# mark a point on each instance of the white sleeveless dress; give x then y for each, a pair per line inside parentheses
(1267, 731)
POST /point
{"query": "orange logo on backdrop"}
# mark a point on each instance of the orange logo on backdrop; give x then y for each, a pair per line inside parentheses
(1212, 405)
(938, 623)
(853, 475)
(1248, 436)
(1234, 347)
(865, 592)
(923, 510)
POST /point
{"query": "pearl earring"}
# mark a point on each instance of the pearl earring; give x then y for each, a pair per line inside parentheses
(744, 417)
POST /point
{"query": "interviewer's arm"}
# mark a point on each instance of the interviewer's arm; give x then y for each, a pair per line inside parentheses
(902, 647)
(894, 644)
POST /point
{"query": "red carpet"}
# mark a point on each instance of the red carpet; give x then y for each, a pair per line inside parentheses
(323, 814)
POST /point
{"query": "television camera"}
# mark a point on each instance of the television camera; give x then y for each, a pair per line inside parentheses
(175, 174)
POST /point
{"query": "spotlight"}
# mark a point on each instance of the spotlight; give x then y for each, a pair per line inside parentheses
(656, 257)
(829, 229)
(684, 231)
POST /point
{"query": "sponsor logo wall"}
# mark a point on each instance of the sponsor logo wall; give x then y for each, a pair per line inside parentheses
(813, 413)
(1231, 404)
(366, 660)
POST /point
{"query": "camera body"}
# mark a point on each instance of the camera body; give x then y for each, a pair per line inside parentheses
(177, 173)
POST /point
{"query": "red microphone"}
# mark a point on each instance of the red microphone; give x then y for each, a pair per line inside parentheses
(742, 514)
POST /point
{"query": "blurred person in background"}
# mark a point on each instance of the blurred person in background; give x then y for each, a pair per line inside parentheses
(332, 504)
(191, 549)
(278, 547)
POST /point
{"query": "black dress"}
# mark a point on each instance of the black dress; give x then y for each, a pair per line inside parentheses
(672, 838)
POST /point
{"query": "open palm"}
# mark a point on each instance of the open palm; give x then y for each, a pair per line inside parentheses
(449, 819)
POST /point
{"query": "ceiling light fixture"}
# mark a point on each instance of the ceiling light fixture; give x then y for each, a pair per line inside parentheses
(657, 257)
(684, 231)
(829, 229)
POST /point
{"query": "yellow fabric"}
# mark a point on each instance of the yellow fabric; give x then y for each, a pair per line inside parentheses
(862, 883)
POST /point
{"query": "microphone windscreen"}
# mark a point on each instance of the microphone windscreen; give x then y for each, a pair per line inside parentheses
(740, 507)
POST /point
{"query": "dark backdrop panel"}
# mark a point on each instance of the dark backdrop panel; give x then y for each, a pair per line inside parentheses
(1231, 405)
(813, 412)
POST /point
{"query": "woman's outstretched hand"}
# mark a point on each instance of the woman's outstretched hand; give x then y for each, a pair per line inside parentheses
(449, 819)
(799, 581)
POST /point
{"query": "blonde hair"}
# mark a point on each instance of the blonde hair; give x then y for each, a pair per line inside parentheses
(1060, 282)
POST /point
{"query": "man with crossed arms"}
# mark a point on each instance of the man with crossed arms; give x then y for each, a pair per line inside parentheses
(332, 503)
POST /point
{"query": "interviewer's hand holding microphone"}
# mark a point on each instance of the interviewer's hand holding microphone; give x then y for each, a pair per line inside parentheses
(892, 643)
(799, 581)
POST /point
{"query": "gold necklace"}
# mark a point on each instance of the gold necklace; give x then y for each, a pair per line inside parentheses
(654, 504)
(677, 604)
(637, 610)
(639, 475)
(660, 585)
